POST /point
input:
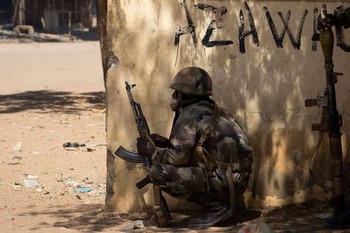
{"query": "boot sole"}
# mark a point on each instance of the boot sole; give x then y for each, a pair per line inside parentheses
(224, 217)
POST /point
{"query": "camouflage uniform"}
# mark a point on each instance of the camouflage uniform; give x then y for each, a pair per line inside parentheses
(177, 173)
(207, 159)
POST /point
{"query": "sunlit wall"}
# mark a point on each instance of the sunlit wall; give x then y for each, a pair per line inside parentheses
(264, 59)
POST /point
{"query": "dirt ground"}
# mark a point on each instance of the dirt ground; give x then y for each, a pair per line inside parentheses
(52, 94)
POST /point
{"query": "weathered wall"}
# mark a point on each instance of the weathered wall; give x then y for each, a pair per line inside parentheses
(263, 64)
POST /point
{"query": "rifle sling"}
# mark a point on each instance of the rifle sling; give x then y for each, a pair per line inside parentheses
(228, 167)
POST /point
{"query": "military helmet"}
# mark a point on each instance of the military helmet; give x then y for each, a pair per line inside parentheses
(192, 81)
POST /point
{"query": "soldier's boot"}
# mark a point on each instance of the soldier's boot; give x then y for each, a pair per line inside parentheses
(216, 210)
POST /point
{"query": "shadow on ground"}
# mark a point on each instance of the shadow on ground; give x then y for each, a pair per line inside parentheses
(93, 218)
(52, 101)
(88, 218)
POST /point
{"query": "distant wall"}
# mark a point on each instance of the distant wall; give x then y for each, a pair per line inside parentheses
(263, 63)
(54, 15)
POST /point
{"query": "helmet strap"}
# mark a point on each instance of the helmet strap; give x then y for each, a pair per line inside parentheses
(190, 99)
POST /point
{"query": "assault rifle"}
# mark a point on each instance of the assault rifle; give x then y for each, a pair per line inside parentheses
(331, 119)
(161, 210)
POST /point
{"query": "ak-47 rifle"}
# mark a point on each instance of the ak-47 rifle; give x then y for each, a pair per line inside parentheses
(161, 210)
(332, 120)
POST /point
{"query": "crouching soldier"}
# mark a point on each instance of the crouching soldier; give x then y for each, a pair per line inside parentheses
(207, 159)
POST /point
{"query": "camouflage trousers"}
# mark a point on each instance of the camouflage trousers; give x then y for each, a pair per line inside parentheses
(182, 182)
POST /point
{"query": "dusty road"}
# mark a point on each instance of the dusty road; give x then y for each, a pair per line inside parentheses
(51, 94)
(74, 67)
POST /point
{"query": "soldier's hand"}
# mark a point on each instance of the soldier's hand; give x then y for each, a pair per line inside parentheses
(326, 23)
(160, 141)
(144, 147)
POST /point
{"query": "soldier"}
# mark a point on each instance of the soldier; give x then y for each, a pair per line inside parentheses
(208, 158)
(341, 17)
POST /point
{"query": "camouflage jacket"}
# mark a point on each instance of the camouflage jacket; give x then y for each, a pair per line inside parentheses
(227, 142)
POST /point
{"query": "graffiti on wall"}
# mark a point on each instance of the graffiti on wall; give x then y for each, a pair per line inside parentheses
(247, 28)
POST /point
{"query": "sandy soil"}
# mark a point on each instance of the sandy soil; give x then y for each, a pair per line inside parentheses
(51, 94)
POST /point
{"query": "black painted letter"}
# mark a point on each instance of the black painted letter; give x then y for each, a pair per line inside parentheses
(189, 29)
(242, 33)
(219, 17)
(279, 39)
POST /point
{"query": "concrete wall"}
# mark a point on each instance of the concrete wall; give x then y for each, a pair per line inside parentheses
(263, 63)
